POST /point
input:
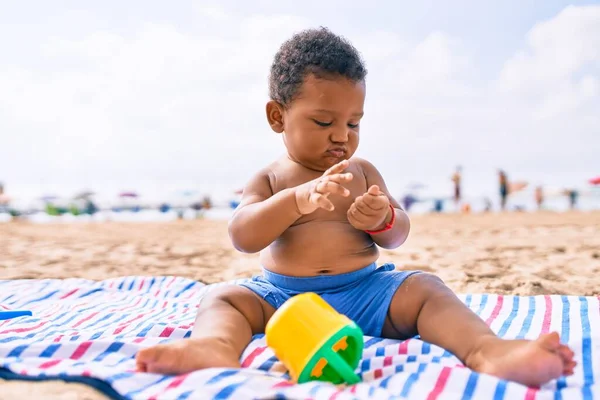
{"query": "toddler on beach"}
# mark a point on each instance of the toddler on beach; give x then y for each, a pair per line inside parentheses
(317, 216)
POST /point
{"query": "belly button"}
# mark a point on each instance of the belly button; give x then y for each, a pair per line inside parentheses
(324, 272)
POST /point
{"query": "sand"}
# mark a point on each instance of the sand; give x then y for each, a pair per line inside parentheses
(505, 253)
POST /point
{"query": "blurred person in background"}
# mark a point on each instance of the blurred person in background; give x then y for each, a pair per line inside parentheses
(539, 197)
(503, 180)
(457, 178)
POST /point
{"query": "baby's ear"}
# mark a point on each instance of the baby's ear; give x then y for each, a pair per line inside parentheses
(275, 116)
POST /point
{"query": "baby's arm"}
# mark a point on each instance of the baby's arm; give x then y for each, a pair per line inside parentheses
(399, 233)
(262, 216)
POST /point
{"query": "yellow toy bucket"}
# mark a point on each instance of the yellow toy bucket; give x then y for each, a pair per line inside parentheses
(314, 341)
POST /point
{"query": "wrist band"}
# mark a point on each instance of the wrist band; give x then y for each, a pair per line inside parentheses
(387, 226)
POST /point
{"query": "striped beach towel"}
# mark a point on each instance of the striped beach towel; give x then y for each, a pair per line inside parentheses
(90, 331)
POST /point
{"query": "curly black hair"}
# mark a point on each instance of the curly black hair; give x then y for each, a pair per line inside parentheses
(312, 51)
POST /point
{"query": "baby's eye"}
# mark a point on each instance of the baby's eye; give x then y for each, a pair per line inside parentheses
(353, 126)
(321, 123)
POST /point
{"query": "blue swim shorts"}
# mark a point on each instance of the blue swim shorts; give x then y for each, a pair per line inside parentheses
(364, 295)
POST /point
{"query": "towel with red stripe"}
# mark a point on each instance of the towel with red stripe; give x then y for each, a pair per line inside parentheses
(89, 331)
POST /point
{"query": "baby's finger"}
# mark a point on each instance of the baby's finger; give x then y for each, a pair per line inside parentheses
(340, 178)
(331, 187)
(322, 201)
(376, 202)
(351, 209)
(374, 190)
(337, 168)
(364, 208)
(350, 213)
(357, 217)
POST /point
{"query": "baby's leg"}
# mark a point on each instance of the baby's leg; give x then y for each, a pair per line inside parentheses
(227, 318)
(424, 305)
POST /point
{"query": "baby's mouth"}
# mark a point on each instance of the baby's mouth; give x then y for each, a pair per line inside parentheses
(337, 152)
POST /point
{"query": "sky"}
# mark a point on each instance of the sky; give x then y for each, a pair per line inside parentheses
(143, 96)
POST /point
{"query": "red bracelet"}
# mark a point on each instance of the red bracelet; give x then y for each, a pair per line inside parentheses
(387, 226)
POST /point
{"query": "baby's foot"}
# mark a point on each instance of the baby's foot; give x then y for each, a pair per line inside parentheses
(528, 362)
(187, 355)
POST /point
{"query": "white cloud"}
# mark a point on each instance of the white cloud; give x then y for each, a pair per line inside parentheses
(165, 103)
(556, 49)
(559, 68)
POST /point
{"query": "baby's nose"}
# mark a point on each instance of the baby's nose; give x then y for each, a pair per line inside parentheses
(340, 135)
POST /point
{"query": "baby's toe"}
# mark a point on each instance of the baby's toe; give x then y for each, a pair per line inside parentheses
(148, 355)
(565, 353)
(569, 367)
(549, 341)
(155, 359)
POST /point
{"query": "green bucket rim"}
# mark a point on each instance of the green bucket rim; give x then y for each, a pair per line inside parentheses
(340, 365)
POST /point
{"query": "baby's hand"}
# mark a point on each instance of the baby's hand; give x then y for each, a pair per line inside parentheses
(369, 211)
(315, 194)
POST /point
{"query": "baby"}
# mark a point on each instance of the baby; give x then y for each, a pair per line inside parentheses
(317, 216)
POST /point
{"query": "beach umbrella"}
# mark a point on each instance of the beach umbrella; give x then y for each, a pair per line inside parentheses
(595, 181)
(128, 194)
(188, 193)
(84, 195)
(416, 186)
(48, 198)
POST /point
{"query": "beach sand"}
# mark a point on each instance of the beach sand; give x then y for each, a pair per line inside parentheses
(505, 253)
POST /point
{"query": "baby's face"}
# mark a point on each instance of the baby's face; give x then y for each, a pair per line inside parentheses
(322, 123)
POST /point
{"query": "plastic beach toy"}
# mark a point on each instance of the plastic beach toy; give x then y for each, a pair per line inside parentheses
(314, 341)
(14, 314)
